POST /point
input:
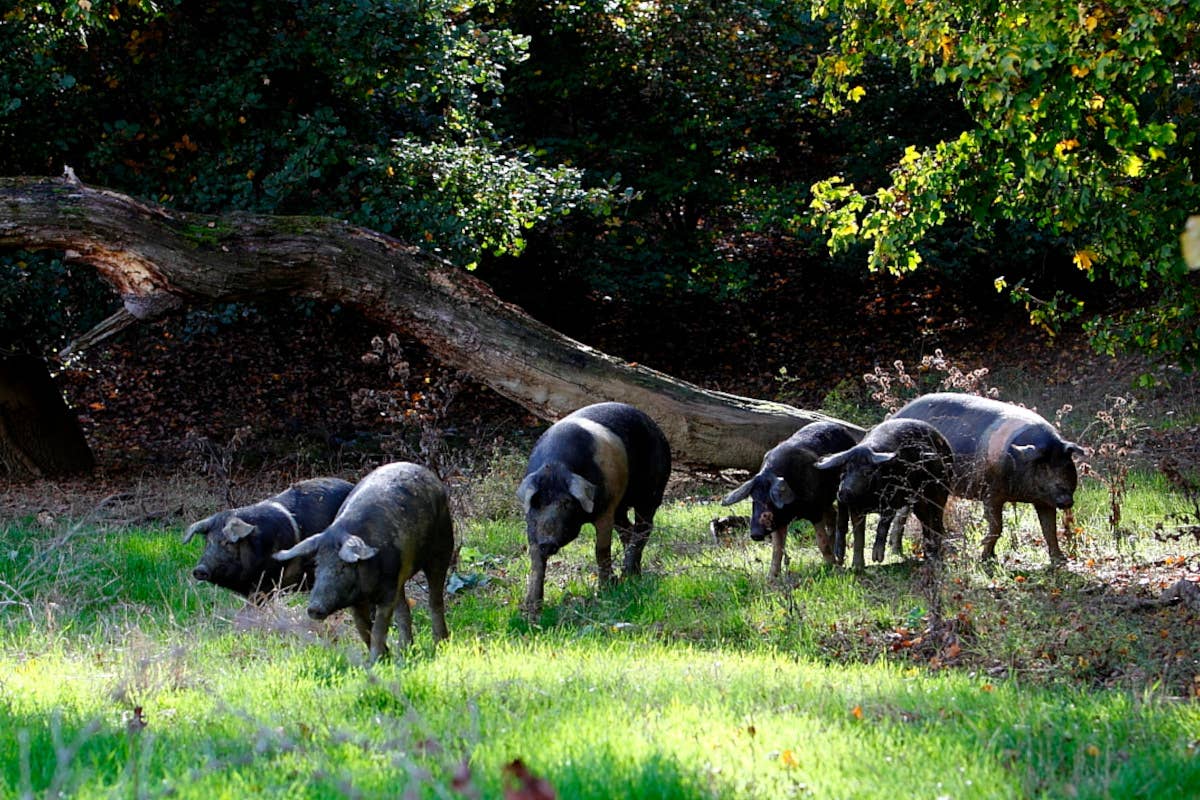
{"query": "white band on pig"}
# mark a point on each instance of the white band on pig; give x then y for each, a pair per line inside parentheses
(290, 517)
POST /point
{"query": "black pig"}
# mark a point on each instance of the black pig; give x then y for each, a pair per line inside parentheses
(898, 464)
(394, 524)
(1003, 454)
(593, 465)
(788, 486)
(239, 542)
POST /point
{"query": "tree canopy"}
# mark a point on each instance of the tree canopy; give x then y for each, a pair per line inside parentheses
(1082, 124)
(649, 148)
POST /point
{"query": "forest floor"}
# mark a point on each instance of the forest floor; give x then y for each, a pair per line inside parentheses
(284, 385)
(239, 399)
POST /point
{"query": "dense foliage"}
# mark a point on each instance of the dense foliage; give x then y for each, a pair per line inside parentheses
(1082, 125)
(655, 148)
(376, 112)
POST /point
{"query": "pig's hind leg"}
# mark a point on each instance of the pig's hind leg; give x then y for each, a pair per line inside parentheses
(436, 577)
(633, 539)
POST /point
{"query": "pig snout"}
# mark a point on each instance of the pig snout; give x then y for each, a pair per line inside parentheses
(764, 524)
(548, 547)
(317, 613)
(201, 573)
(1064, 500)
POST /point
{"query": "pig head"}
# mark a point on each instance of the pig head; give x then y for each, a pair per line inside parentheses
(239, 542)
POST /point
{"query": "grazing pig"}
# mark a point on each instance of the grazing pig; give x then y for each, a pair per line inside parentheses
(239, 542)
(898, 464)
(788, 486)
(1003, 454)
(394, 524)
(593, 466)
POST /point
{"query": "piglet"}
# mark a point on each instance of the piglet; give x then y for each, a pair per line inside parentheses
(394, 524)
(898, 464)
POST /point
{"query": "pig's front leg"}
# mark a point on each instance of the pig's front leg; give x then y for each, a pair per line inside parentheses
(379, 630)
(604, 529)
(532, 607)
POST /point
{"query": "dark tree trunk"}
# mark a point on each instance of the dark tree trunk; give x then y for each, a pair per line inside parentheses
(39, 434)
(159, 259)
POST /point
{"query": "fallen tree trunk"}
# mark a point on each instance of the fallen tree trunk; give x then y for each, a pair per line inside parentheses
(159, 259)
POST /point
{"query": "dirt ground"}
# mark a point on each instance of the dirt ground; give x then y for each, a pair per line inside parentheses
(219, 405)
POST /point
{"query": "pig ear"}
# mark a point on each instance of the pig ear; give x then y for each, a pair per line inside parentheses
(306, 548)
(584, 492)
(1024, 453)
(355, 549)
(781, 493)
(834, 461)
(1073, 449)
(200, 527)
(878, 457)
(739, 494)
(237, 529)
(525, 491)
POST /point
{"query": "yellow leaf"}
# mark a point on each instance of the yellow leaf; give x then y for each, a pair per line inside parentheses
(856, 94)
(788, 759)
(1133, 166)
(1065, 146)
(1091, 22)
(1079, 72)
(1084, 259)
(947, 46)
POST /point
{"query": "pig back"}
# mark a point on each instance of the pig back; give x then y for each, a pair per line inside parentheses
(647, 452)
(314, 503)
(402, 510)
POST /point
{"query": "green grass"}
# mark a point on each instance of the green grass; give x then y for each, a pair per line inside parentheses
(700, 679)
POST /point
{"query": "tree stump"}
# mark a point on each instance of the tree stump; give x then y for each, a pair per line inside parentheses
(40, 436)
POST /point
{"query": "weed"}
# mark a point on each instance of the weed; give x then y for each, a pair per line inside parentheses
(218, 461)
(891, 389)
(419, 415)
(1113, 436)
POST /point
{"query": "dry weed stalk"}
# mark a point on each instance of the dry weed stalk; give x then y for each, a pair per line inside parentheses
(424, 412)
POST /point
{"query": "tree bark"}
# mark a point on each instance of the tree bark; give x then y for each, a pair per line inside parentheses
(158, 259)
